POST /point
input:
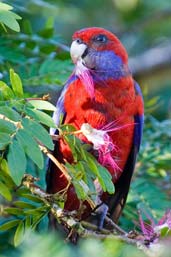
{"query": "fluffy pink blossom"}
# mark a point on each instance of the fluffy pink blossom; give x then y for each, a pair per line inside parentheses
(103, 143)
(153, 230)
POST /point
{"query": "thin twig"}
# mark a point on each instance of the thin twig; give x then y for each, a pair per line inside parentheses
(43, 98)
(115, 226)
(56, 162)
(93, 227)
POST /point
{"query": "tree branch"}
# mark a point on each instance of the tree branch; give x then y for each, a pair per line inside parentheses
(69, 220)
(151, 60)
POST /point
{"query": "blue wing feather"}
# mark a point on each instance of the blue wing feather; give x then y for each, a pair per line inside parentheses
(139, 121)
(60, 109)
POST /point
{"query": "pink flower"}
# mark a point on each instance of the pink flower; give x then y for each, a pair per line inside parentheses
(103, 143)
(153, 230)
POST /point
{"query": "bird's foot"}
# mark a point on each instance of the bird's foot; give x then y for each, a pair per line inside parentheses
(101, 213)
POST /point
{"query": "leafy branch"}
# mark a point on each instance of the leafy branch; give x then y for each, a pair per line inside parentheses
(69, 220)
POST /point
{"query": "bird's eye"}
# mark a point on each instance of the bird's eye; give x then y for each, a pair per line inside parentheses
(79, 41)
(100, 39)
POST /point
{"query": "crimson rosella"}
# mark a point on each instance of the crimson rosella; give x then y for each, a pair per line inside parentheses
(101, 94)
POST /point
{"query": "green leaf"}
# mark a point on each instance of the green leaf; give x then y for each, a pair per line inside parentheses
(5, 139)
(4, 191)
(7, 127)
(38, 132)
(9, 224)
(42, 105)
(28, 226)
(14, 211)
(30, 147)
(19, 234)
(70, 139)
(89, 179)
(103, 175)
(5, 7)
(5, 174)
(165, 231)
(10, 113)
(22, 205)
(16, 83)
(5, 91)
(106, 178)
(4, 166)
(6, 179)
(32, 198)
(28, 223)
(81, 189)
(9, 19)
(80, 186)
(41, 117)
(37, 219)
(36, 211)
(16, 161)
(3, 26)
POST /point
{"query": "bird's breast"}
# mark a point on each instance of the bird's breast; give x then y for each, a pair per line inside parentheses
(112, 102)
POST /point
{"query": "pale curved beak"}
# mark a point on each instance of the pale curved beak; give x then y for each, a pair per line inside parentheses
(77, 50)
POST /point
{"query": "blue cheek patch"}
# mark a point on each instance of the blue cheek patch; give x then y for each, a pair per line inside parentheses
(109, 65)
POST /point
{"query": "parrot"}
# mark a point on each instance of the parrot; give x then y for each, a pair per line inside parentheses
(102, 94)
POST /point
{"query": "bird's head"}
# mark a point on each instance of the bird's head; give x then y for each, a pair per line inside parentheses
(98, 55)
(98, 49)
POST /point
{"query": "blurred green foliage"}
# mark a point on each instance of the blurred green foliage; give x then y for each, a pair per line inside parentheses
(40, 56)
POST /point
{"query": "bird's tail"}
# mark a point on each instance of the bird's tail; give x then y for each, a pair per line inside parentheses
(117, 202)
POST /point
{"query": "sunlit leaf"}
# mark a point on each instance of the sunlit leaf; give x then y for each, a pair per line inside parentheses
(19, 234)
(14, 211)
(42, 105)
(32, 198)
(41, 117)
(5, 192)
(9, 19)
(5, 91)
(9, 224)
(22, 204)
(6, 7)
(16, 83)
